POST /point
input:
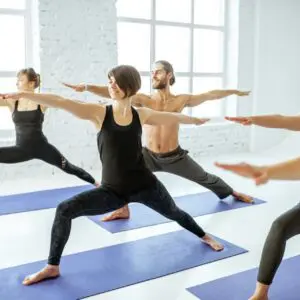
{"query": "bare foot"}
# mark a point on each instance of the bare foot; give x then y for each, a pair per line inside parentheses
(46, 273)
(259, 298)
(121, 213)
(261, 292)
(243, 197)
(212, 243)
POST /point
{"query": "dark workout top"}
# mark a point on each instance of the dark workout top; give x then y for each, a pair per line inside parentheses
(120, 147)
(28, 125)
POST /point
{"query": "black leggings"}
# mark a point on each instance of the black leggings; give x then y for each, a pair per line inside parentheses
(283, 228)
(45, 152)
(102, 200)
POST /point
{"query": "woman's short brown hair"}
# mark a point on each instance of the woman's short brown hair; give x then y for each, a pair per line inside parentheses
(31, 76)
(127, 78)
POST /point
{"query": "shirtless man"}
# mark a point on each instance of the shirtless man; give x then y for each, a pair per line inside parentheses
(162, 151)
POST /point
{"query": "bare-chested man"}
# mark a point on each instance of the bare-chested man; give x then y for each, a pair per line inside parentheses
(162, 151)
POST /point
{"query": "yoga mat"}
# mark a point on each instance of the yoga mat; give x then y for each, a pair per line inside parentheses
(38, 200)
(194, 204)
(101, 270)
(286, 285)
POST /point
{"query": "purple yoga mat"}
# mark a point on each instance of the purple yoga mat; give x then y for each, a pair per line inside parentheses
(195, 205)
(286, 285)
(98, 271)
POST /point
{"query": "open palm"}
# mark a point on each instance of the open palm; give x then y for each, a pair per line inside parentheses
(259, 175)
(241, 120)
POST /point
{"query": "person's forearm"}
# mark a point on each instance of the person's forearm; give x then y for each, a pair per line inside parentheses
(219, 94)
(98, 90)
(289, 170)
(181, 118)
(49, 100)
(277, 121)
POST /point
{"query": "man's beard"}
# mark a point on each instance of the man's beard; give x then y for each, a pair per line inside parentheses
(160, 85)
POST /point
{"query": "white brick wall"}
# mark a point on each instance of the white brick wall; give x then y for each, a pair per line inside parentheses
(77, 40)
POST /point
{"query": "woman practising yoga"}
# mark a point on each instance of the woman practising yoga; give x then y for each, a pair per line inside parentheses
(31, 143)
(286, 225)
(125, 177)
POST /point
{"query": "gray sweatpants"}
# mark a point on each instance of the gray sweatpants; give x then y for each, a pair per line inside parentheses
(178, 162)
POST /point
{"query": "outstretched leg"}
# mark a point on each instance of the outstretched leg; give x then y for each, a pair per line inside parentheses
(51, 155)
(159, 199)
(184, 166)
(94, 202)
(283, 228)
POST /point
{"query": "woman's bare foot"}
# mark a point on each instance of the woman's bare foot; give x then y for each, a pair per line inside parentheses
(46, 273)
(261, 292)
(243, 197)
(121, 213)
(258, 298)
(212, 243)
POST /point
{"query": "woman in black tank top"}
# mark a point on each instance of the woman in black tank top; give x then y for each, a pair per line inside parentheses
(125, 177)
(31, 143)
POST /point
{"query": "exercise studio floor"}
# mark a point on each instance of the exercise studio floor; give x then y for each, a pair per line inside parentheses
(25, 237)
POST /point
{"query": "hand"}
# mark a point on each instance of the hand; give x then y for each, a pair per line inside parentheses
(14, 96)
(198, 121)
(241, 120)
(258, 174)
(78, 88)
(241, 93)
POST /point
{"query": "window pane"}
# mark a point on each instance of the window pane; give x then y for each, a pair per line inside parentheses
(12, 50)
(134, 45)
(14, 4)
(208, 51)
(173, 44)
(202, 85)
(7, 84)
(146, 87)
(134, 8)
(209, 12)
(181, 86)
(173, 10)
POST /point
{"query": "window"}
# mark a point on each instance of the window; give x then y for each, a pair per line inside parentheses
(15, 52)
(190, 34)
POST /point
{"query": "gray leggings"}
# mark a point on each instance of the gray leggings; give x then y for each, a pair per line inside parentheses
(178, 162)
(102, 200)
(283, 228)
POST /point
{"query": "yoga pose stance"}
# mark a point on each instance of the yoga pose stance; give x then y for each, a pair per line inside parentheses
(162, 151)
(288, 224)
(31, 143)
(125, 177)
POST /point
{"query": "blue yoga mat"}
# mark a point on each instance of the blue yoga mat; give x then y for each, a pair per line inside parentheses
(38, 200)
(97, 271)
(286, 285)
(195, 204)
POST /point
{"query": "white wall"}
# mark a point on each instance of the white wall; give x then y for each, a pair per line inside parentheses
(77, 43)
(276, 31)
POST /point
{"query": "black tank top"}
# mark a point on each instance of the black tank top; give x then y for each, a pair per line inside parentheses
(28, 125)
(120, 147)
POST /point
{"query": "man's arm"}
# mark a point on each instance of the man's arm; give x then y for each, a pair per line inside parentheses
(153, 117)
(194, 100)
(87, 111)
(270, 121)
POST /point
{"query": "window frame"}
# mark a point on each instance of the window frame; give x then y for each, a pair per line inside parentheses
(27, 14)
(192, 26)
